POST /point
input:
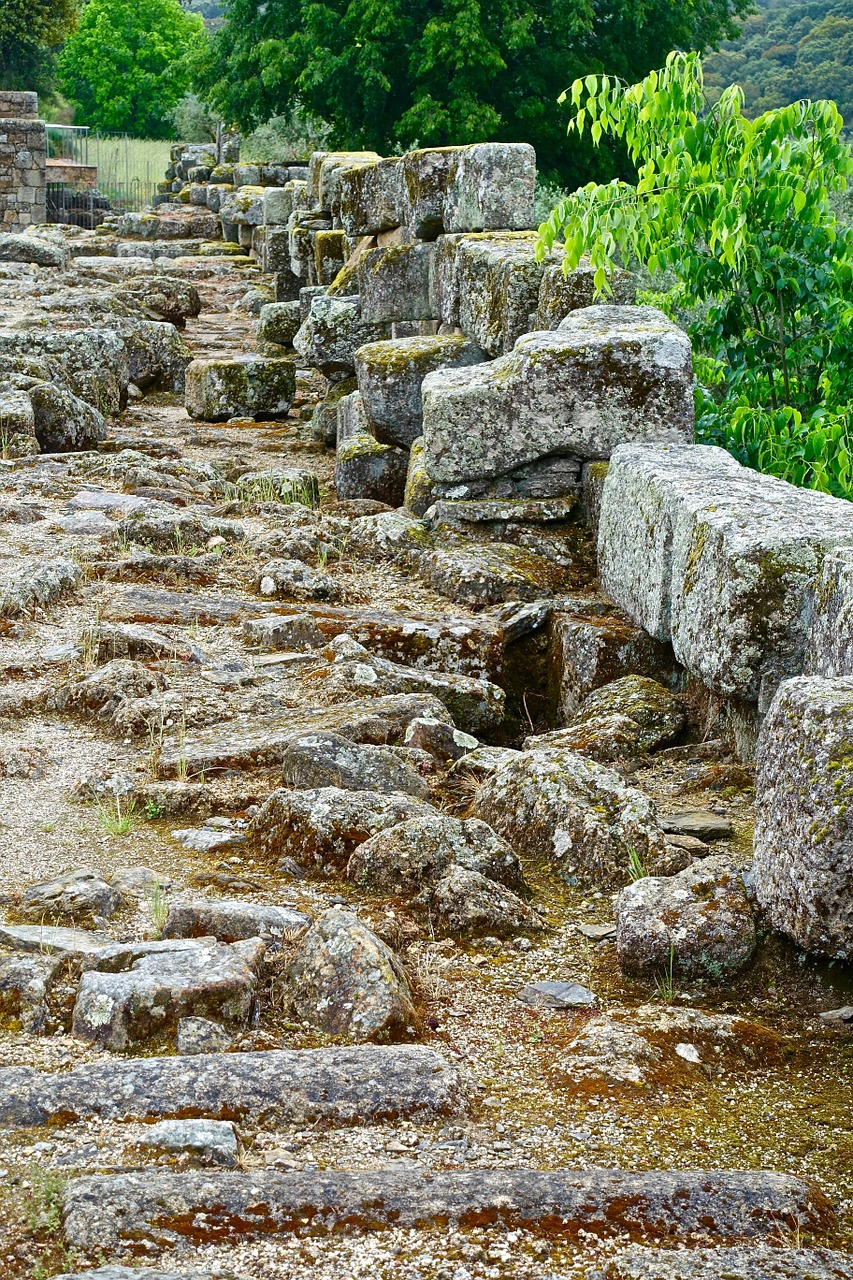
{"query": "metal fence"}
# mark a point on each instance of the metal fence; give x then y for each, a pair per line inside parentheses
(95, 173)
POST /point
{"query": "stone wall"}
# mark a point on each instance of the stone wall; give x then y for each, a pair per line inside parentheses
(22, 161)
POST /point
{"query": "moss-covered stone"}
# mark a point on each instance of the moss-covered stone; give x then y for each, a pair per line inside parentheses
(248, 386)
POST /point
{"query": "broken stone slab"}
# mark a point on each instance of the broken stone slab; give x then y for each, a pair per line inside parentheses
(581, 817)
(496, 284)
(364, 468)
(478, 574)
(467, 904)
(346, 982)
(561, 292)
(213, 1141)
(207, 839)
(549, 396)
(38, 251)
(699, 823)
(829, 644)
(471, 647)
(475, 705)
(78, 895)
(322, 827)
(25, 984)
(175, 530)
(333, 332)
(247, 386)
(390, 375)
(656, 714)
(739, 1262)
(129, 640)
(590, 644)
(63, 422)
(32, 588)
(379, 721)
(135, 994)
(394, 283)
(18, 418)
(442, 741)
(491, 186)
(550, 994)
(367, 1085)
(803, 868)
(329, 760)
(295, 580)
(53, 940)
(386, 534)
(150, 604)
(718, 558)
(114, 1210)
(92, 363)
(697, 924)
(230, 920)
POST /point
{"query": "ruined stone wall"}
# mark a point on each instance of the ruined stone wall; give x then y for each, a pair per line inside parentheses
(23, 149)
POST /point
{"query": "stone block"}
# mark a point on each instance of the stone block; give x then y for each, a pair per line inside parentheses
(718, 558)
(17, 425)
(829, 645)
(607, 376)
(394, 283)
(425, 176)
(325, 171)
(278, 322)
(243, 207)
(491, 186)
(278, 205)
(332, 334)
(276, 249)
(390, 375)
(248, 386)
(364, 468)
(329, 254)
(563, 292)
(370, 197)
(803, 845)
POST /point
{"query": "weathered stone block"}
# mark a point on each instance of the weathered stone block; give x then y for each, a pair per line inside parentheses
(330, 252)
(425, 176)
(17, 425)
(370, 197)
(720, 558)
(803, 847)
(394, 283)
(495, 286)
(390, 375)
(364, 468)
(608, 375)
(491, 186)
(332, 334)
(279, 322)
(561, 293)
(829, 645)
(248, 386)
(278, 205)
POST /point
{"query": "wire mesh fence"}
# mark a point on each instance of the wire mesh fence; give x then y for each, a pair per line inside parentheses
(89, 174)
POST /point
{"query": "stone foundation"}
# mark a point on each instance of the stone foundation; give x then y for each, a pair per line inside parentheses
(23, 150)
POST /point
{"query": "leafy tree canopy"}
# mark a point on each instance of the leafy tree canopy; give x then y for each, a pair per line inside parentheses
(790, 49)
(739, 214)
(30, 31)
(389, 74)
(127, 64)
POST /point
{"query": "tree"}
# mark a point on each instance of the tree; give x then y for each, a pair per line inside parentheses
(30, 31)
(127, 65)
(387, 74)
(740, 213)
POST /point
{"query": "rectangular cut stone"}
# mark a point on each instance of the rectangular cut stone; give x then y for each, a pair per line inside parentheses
(721, 559)
(394, 283)
(111, 1210)
(562, 292)
(829, 646)
(425, 175)
(608, 375)
(364, 1085)
(247, 386)
(497, 279)
(370, 197)
(803, 845)
(440, 643)
(333, 332)
(325, 169)
(276, 248)
(491, 186)
(150, 604)
(278, 205)
(390, 375)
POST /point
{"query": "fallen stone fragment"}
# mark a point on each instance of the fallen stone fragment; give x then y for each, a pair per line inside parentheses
(379, 721)
(230, 920)
(390, 375)
(466, 904)
(208, 839)
(557, 995)
(294, 580)
(25, 983)
(126, 640)
(279, 322)
(114, 1210)
(440, 740)
(346, 982)
(323, 827)
(583, 818)
(744, 1262)
(200, 1035)
(439, 643)
(598, 932)
(404, 859)
(37, 250)
(803, 864)
(366, 1085)
(480, 574)
(698, 823)
(63, 421)
(27, 589)
(247, 386)
(135, 994)
(53, 939)
(329, 760)
(75, 895)
(364, 468)
(658, 715)
(213, 1141)
(842, 1017)
(386, 534)
(696, 924)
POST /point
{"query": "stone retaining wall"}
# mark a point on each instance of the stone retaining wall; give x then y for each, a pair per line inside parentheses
(23, 150)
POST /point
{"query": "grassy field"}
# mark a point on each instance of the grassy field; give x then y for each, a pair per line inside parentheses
(127, 167)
